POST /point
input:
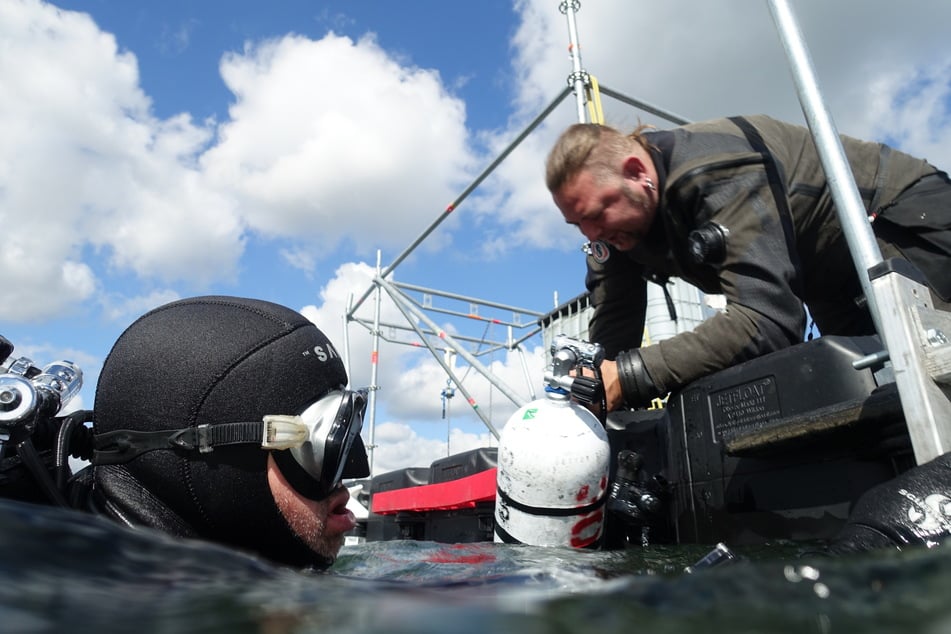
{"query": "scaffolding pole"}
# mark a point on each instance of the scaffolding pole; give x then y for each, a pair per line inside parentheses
(374, 369)
(899, 305)
(495, 345)
(466, 298)
(578, 79)
(657, 111)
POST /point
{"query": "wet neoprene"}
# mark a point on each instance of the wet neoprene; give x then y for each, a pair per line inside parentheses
(210, 360)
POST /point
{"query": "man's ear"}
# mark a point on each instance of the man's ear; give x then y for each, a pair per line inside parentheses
(632, 168)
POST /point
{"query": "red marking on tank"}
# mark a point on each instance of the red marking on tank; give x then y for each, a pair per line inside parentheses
(604, 482)
(593, 519)
(583, 493)
(374, 356)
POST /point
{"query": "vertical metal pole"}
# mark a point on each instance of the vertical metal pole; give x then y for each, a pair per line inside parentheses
(895, 301)
(848, 202)
(578, 75)
(521, 357)
(447, 396)
(374, 366)
(346, 338)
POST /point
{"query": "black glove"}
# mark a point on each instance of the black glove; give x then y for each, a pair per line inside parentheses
(637, 387)
(913, 509)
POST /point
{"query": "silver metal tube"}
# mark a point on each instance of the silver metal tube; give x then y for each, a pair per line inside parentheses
(578, 76)
(896, 302)
(346, 338)
(643, 105)
(527, 337)
(848, 202)
(528, 375)
(374, 368)
(493, 345)
(457, 313)
(465, 298)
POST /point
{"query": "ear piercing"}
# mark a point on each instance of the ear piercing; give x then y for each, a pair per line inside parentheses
(650, 184)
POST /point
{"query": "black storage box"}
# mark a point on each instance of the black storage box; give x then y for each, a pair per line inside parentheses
(463, 464)
(386, 527)
(780, 447)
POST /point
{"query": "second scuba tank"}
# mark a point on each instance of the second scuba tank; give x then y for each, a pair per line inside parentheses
(553, 469)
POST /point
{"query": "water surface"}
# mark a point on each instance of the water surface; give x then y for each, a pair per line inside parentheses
(62, 571)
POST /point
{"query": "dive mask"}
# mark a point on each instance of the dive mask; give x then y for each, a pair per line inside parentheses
(314, 450)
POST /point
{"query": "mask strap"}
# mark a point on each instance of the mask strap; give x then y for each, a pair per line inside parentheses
(122, 445)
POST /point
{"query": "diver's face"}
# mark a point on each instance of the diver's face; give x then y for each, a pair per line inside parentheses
(613, 209)
(320, 524)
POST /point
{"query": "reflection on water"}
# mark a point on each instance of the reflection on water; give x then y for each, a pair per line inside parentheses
(65, 572)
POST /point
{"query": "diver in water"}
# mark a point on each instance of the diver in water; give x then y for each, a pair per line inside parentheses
(228, 420)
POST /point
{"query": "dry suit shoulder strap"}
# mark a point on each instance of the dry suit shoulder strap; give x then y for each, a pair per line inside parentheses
(777, 187)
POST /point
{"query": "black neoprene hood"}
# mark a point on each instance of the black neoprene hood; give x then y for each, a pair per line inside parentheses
(211, 360)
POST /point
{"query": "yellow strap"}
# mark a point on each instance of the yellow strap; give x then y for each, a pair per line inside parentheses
(594, 101)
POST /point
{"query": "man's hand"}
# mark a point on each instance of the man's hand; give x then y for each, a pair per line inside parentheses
(612, 388)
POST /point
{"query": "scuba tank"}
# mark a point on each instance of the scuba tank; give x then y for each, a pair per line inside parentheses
(554, 459)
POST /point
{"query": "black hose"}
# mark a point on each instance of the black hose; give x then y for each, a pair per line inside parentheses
(603, 413)
(60, 461)
(72, 437)
(32, 460)
(81, 442)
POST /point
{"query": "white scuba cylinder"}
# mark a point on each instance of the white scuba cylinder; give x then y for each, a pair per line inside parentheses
(552, 478)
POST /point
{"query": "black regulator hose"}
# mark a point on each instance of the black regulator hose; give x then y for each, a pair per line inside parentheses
(60, 436)
(604, 396)
(72, 438)
(32, 460)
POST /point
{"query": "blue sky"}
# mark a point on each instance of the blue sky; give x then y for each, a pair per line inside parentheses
(157, 150)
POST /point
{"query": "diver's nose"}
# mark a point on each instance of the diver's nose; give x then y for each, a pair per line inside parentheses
(590, 230)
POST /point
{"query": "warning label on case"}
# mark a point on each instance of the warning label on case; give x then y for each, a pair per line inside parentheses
(744, 404)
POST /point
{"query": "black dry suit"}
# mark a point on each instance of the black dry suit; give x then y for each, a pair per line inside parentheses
(769, 241)
(210, 360)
